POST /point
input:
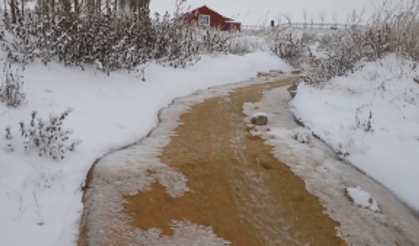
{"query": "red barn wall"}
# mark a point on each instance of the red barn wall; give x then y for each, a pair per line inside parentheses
(234, 26)
(216, 20)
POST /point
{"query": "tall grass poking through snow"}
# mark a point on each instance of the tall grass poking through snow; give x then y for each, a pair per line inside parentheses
(396, 30)
(115, 41)
(389, 30)
(11, 87)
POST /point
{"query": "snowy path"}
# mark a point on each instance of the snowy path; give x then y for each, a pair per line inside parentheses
(210, 181)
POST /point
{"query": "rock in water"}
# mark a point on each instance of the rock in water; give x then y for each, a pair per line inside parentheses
(265, 162)
(259, 119)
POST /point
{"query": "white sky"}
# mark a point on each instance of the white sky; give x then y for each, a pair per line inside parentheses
(254, 12)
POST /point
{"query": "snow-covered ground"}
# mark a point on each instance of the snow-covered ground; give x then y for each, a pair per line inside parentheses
(41, 198)
(362, 198)
(371, 117)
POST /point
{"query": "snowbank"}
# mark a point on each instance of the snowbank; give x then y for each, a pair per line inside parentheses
(371, 118)
(41, 198)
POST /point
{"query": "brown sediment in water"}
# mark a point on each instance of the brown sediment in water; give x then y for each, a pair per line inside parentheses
(238, 187)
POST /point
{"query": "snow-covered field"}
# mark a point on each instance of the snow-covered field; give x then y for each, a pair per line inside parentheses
(371, 117)
(41, 198)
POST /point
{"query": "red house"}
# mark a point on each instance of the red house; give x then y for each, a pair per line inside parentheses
(204, 16)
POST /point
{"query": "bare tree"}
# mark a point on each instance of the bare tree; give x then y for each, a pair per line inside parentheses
(134, 6)
(179, 8)
(279, 20)
(22, 4)
(76, 6)
(13, 10)
(287, 18)
(311, 21)
(65, 6)
(322, 17)
(305, 18)
(122, 4)
(335, 20)
(50, 7)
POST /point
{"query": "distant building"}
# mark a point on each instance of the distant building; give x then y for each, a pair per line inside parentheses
(204, 16)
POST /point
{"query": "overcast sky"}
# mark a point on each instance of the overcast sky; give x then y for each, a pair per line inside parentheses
(254, 12)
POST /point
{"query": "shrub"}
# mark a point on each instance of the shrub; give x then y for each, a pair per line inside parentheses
(365, 124)
(110, 41)
(390, 30)
(289, 46)
(46, 137)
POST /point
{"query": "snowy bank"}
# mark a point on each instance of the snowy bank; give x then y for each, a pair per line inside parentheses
(41, 198)
(371, 118)
(349, 197)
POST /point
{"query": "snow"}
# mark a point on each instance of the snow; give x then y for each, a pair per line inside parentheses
(362, 198)
(259, 114)
(383, 146)
(327, 177)
(302, 135)
(41, 198)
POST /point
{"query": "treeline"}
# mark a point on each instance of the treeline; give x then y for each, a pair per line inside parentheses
(50, 8)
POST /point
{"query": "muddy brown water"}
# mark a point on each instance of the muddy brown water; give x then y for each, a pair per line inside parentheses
(238, 187)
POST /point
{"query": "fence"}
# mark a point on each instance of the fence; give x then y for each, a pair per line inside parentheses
(302, 25)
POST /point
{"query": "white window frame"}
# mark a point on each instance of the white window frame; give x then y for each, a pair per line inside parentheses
(204, 20)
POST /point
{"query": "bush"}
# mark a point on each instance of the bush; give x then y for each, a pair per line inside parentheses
(388, 31)
(242, 44)
(365, 124)
(46, 137)
(289, 46)
(12, 85)
(110, 41)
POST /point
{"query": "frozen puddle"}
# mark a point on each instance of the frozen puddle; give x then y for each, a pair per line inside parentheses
(368, 213)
